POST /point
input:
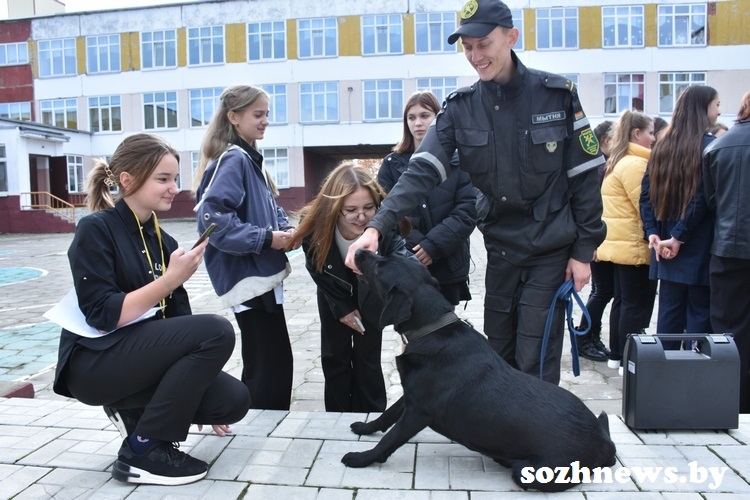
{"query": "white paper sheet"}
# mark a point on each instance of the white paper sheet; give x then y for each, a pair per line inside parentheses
(68, 315)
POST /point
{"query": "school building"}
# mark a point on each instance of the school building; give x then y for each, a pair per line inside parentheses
(73, 85)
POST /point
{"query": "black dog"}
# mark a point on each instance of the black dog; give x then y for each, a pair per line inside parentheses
(458, 386)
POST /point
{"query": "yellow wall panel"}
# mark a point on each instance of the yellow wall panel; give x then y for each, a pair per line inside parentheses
(181, 47)
(409, 34)
(529, 29)
(731, 23)
(350, 36)
(130, 52)
(34, 58)
(291, 39)
(589, 27)
(236, 40)
(81, 54)
(650, 26)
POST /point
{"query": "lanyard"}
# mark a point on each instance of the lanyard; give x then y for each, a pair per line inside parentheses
(162, 302)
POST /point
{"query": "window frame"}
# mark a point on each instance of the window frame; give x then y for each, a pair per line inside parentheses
(271, 160)
(390, 89)
(159, 48)
(330, 96)
(195, 36)
(677, 86)
(328, 48)
(438, 86)
(102, 50)
(662, 14)
(517, 16)
(20, 56)
(15, 110)
(392, 24)
(112, 109)
(48, 53)
(60, 107)
(3, 168)
(76, 173)
(261, 33)
(429, 21)
(551, 22)
(277, 99)
(621, 84)
(617, 16)
(155, 103)
(208, 95)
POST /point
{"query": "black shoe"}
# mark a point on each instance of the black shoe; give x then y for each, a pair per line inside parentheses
(601, 347)
(588, 350)
(124, 420)
(163, 464)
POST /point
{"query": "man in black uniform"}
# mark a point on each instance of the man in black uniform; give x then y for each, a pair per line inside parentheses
(524, 140)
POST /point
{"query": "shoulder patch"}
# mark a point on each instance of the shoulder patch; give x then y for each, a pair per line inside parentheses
(558, 82)
(460, 91)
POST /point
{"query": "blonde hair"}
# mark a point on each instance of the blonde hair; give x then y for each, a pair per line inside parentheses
(620, 135)
(138, 155)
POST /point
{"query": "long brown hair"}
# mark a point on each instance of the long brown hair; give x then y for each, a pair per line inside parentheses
(138, 155)
(318, 218)
(620, 135)
(674, 168)
(744, 112)
(427, 100)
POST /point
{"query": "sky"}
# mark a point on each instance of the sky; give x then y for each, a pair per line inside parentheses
(88, 5)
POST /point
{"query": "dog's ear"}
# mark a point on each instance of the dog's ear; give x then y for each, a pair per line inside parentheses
(397, 307)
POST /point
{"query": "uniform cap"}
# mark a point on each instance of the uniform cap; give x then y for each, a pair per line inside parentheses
(480, 17)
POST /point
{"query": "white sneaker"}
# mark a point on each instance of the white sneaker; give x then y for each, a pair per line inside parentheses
(619, 371)
(613, 363)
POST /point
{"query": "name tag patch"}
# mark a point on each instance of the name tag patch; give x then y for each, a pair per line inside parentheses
(555, 116)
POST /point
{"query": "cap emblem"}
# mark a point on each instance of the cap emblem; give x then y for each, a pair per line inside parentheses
(470, 8)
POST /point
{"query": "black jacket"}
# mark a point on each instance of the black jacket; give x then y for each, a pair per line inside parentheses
(442, 223)
(343, 292)
(528, 147)
(726, 165)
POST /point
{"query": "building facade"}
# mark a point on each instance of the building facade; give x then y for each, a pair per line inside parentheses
(338, 74)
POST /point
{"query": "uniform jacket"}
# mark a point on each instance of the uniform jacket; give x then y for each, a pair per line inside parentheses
(107, 262)
(695, 231)
(726, 164)
(237, 197)
(442, 223)
(343, 292)
(621, 192)
(528, 147)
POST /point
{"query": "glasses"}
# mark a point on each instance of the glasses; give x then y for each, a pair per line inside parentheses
(353, 215)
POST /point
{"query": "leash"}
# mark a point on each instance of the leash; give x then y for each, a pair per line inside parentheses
(567, 293)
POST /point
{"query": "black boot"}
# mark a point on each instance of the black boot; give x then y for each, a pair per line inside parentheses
(587, 347)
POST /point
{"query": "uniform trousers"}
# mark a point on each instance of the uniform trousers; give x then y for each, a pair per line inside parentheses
(730, 303)
(172, 368)
(683, 308)
(517, 301)
(351, 364)
(267, 361)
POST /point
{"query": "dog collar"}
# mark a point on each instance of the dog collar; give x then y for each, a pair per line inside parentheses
(444, 320)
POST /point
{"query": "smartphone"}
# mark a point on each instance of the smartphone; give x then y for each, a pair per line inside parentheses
(359, 324)
(206, 234)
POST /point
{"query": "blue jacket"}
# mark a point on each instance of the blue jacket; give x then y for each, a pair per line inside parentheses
(695, 231)
(235, 194)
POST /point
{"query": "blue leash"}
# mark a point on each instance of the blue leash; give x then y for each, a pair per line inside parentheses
(566, 292)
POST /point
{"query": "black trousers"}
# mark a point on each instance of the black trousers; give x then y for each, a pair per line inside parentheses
(516, 304)
(351, 364)
(602, 291)
(632, 307)
(683, 308)
(267, 362)
(730, 306)
(172, 368)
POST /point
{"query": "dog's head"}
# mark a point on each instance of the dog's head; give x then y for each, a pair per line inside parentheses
(400, 282)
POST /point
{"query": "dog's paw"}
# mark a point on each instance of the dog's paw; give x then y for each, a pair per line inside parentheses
(354, 459)
(362, 428)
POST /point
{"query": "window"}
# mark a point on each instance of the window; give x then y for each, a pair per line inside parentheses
(317, 37)
(276, 161)
(203, 105)
(432, 31)
(159, 49)
(12, 54)
(266, 41)
(382, 34)
(105, 114)
(622, 26)
(384, 99)
(319, 102)
(103, 54)
(3, 170)
(75, 174)
(60, 113)
(557, 28)
(671, 86)
(206, 45)
(623, 91)
(160, 110)
(441, 87)
(277, 103)
(57, 57)
(16, 111)
(682, 25)
(517, 15)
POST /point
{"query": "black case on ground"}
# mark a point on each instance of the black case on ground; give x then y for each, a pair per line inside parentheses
(663, 389)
